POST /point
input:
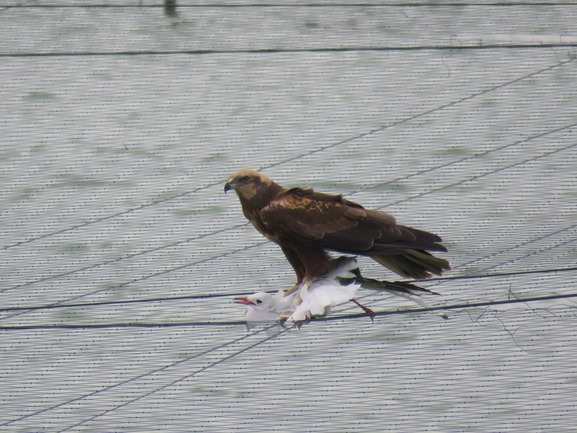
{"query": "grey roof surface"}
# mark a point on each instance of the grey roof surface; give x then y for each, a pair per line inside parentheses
(120, 255)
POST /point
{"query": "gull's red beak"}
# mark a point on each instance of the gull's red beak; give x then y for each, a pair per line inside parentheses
(242, 300)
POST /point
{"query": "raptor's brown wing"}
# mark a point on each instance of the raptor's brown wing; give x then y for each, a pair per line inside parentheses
(332, 222)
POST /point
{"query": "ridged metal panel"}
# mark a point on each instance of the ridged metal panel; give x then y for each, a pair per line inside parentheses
(112, 170)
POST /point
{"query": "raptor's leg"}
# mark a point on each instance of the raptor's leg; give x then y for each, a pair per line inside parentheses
(297, 265)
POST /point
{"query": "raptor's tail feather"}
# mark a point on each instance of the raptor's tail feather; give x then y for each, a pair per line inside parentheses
(415, 264)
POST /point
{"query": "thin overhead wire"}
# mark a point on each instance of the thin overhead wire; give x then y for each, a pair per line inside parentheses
(447, 307)
(50, 277)
(466, 158)
(146, 277)
(31, 5)
(194, 373)
(117, 259)
(232, 295)
(461, 306)
(479, 176)
(307, 154)
(148, 373)
(522, 244)
(60, 405)
(352, 49)
(542, 250)
(187, 265)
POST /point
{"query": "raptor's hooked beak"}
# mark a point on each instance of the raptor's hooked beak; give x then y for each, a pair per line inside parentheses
(227, 187)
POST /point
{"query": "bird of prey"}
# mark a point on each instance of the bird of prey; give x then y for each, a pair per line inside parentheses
(307, 224)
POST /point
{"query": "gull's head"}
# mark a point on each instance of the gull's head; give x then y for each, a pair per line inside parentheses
(259, 300)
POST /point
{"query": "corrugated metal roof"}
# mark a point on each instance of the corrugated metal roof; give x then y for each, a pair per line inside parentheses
(121, 254)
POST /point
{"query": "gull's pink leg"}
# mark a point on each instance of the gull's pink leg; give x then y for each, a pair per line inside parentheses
(367, 310)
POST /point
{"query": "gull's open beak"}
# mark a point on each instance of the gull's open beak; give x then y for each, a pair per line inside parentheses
(242, 300)
(227, 187)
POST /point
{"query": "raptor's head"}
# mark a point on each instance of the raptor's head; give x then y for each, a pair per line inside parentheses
(247, 183)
